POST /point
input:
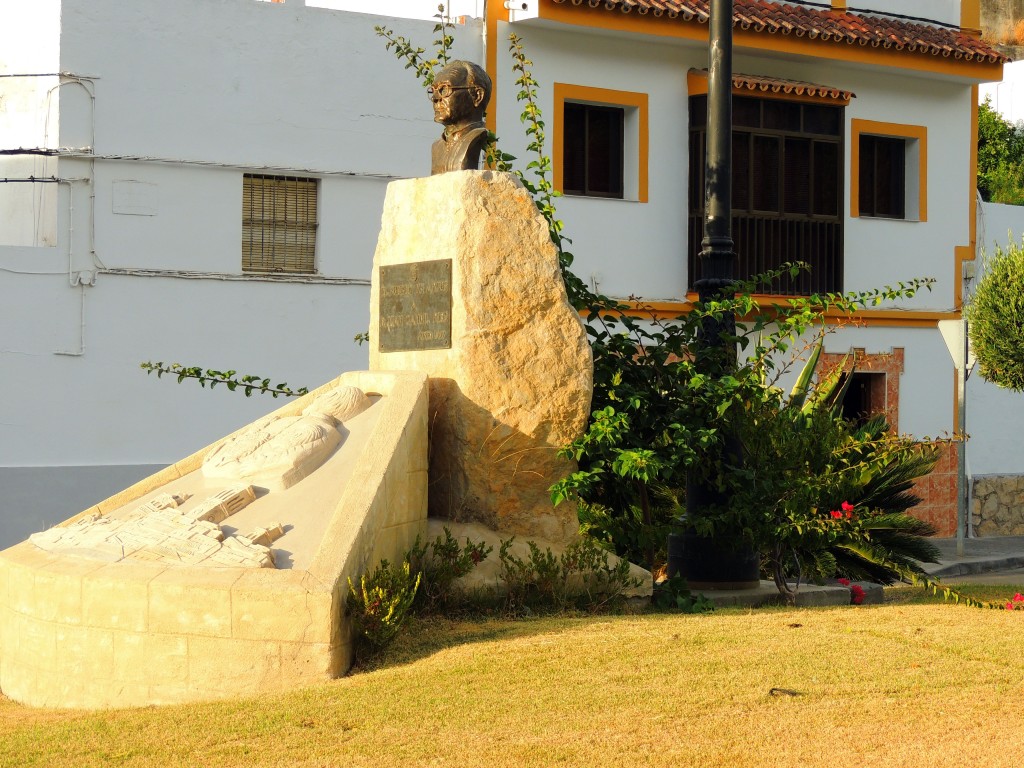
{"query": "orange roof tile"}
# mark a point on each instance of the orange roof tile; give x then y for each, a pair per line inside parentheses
(819, 23)
(758, 83)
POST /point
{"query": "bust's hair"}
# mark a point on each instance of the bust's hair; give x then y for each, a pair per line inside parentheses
(475, 75)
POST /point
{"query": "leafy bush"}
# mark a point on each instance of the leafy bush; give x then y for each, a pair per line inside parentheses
(581, 577)
(995, 316)
(674, 594)
(1000, 153)
(439, 564)
(667, 406)
(381, 603)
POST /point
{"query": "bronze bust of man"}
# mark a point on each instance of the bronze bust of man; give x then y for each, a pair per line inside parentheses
(460, 93)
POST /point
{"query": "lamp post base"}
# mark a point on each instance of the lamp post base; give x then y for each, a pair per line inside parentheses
(707, 564)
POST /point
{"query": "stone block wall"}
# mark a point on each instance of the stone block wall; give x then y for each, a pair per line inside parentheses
(997, 505)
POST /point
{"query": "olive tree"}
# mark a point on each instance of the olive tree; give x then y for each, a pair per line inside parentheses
(995, 316)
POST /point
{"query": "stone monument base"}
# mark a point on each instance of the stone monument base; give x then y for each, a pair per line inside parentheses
(168, 593)
(467, 288)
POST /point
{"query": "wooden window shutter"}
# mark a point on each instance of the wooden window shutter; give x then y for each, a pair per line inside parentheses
(279, 221)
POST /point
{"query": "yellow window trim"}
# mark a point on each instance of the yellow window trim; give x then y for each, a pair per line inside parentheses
(897, 130)
(962, 253)
(583, 94)
(889, 318)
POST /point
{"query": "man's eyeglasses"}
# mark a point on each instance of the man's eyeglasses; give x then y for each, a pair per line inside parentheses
(444, 90)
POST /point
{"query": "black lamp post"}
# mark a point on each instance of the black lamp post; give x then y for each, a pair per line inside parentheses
(717, 257)
(706, 562)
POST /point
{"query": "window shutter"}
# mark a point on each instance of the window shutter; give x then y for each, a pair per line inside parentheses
(279, 222)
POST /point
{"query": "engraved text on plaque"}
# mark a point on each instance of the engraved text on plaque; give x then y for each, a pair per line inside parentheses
(415, 306)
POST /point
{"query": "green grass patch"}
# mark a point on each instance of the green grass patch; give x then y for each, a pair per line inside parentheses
(908, 683)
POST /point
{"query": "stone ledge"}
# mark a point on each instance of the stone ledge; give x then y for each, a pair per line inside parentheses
(809, 595)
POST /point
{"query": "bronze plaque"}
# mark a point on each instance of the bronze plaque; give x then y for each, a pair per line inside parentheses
(415, 306)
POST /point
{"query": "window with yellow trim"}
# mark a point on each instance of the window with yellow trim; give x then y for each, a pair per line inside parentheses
(599, 143)
(889, 171)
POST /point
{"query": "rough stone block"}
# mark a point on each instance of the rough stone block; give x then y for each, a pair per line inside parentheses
(41, 638)
(21, 587)
(515, 384)
(302, 663)
(285, 608)
(241, 667)
(151, 659)
(58, 595)
(85, 652)
(192, 601)
(5, 578)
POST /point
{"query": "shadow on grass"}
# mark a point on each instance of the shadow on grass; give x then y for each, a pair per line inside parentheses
(423, 636)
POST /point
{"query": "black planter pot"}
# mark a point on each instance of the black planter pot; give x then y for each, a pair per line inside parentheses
(707, 564)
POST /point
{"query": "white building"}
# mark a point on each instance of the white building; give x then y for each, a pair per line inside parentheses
(135, 133)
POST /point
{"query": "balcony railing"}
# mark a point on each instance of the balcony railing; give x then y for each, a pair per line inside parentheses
(764, 243)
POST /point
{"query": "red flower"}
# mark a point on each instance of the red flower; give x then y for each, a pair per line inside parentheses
(844, 582)
(847, 506)
(1018, 598)
(836, 515)
(1009, 606)
(849, 515)
(857, 592)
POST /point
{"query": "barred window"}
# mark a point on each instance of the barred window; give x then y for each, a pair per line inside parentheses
(787, 186)
(279, 220)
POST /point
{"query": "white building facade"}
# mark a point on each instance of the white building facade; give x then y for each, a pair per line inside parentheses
(139, 140)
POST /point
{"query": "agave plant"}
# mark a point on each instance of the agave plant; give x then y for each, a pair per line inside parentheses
(890, 544)
(896, 543)
(833, 496)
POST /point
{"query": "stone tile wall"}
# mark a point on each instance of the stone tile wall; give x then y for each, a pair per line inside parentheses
(997, 505)
(938, 494)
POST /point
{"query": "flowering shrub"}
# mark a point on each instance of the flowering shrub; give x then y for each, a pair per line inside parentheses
(856, 591)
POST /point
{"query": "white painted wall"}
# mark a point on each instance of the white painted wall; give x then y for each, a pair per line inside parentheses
(647, 256)
(880, 249)
(190, 96)
(29, 110)
(630, 248)
(945, 11)
(1007, 96)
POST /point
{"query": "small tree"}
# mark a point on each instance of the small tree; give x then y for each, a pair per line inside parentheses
(1000, 149)
(995, 316)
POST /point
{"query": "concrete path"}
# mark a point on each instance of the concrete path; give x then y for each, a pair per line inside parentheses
(984, 560)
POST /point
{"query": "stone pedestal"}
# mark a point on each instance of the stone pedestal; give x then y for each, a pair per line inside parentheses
(512, 383)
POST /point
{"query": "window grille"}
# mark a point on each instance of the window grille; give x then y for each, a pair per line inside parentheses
(787, 184)
(279, 221)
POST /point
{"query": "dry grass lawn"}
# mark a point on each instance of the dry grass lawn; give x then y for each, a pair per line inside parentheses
(906, 684)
